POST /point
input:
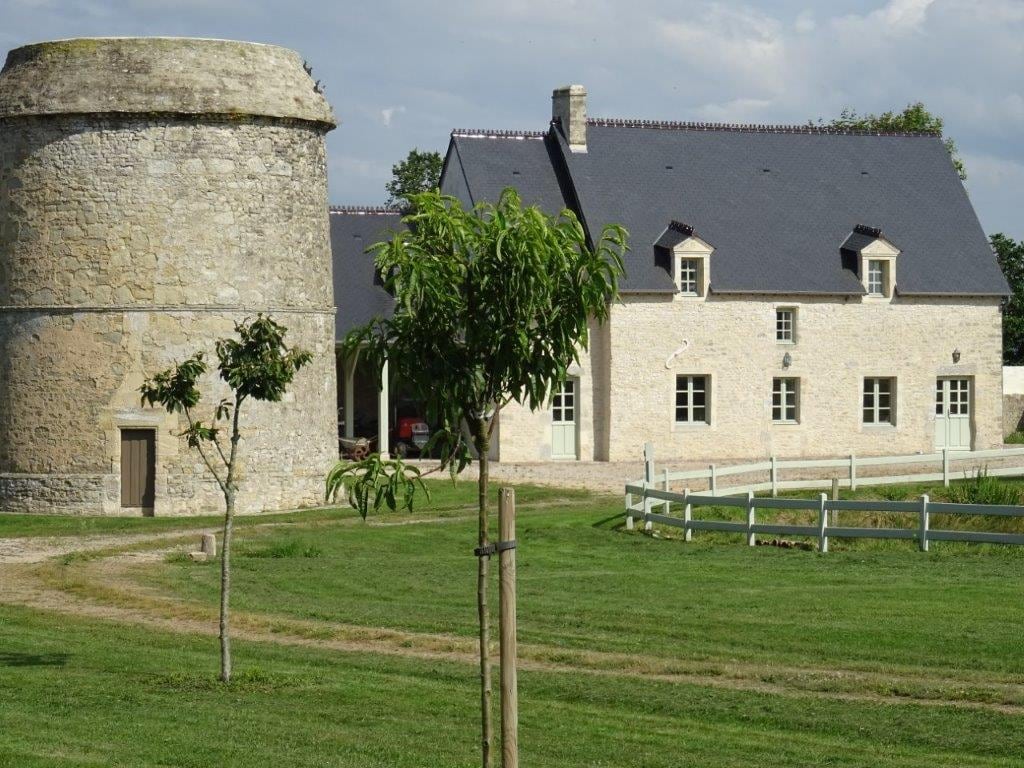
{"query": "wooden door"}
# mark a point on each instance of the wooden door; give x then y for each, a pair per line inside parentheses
(138, 467)
(563, 422)
(953, 414)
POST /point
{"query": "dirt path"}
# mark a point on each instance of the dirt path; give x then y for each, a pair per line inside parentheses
(103, 589)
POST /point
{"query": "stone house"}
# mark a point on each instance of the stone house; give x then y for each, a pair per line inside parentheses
(790, 290)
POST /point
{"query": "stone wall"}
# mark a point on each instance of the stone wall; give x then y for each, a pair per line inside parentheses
(525, 435)
(839, 342)
(129, 242)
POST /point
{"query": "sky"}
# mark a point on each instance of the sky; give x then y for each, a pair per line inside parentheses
(403, 74)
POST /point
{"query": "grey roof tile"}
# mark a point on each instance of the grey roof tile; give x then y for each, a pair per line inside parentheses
(358, 294)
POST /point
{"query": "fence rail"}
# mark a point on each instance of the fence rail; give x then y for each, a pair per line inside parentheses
(642, 496)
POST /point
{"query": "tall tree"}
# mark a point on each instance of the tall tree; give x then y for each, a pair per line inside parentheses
(492, 306)
(255, 366)
(1011, 260)
(419, 172)
(914, 117)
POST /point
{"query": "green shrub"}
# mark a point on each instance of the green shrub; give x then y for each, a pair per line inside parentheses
(1015, 437)
(982, 489)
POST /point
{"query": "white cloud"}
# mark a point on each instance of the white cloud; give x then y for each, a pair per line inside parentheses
(388, 113)
(738, 41)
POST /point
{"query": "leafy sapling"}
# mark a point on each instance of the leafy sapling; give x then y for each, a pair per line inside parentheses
(255, 366)
(492, 305)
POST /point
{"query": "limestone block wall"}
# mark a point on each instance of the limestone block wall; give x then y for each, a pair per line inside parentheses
(839, 342)
(130, 241)
(525, 435)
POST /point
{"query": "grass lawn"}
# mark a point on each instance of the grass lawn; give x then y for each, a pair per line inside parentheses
(638, 650)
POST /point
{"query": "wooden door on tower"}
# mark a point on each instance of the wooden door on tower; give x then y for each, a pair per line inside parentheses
(138, 467)
(563, 421)
(953, 414)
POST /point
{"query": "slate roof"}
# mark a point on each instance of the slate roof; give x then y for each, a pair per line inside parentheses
(777, 203)
(358, 294)
(480, 164)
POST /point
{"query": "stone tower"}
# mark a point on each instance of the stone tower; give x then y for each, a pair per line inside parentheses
(153, 192)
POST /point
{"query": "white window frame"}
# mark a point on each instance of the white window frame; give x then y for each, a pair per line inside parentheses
(786, 388)
(690, 282)
(872, 409)
(559, 409)
(687, 384)
(780, 325)
(876, 282)
(959, 396)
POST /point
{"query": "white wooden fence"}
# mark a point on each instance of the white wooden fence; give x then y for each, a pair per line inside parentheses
(643, 496)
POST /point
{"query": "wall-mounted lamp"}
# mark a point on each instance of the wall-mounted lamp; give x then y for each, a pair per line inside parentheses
(787, 360)
(956, 355)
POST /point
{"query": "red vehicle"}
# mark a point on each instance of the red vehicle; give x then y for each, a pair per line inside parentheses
(411, 433)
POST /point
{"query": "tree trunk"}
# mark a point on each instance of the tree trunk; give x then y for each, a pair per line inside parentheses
(482, 444)
(225, 589)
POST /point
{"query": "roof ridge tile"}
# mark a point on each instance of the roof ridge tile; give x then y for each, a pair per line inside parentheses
(364, 209)
(493, 133)
(681, 125)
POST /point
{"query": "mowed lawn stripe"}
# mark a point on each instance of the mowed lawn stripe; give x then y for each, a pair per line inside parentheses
(82, 693)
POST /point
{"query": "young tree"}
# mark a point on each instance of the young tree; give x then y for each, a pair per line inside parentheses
(419, 172)
(914, 117)
(257, 366)
(492, 305)
(1011, 259)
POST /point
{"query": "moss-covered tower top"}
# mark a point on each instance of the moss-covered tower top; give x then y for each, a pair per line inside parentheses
(160, 75)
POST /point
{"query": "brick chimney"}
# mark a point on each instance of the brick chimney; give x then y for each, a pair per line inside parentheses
(569, 105)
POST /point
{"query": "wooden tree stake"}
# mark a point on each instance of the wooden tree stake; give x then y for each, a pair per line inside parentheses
(507, 620)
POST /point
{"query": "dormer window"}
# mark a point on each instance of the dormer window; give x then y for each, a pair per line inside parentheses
(869, 254)
(876, 277)
(686, 257)
(690, 282)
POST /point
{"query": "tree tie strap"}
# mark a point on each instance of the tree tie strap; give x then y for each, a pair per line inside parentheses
(494, 548)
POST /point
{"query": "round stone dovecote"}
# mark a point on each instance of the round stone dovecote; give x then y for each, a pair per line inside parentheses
(154, 192)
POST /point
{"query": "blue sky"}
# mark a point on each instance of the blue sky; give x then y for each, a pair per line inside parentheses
(403, 74)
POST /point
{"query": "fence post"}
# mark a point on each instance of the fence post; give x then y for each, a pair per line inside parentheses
(822, 524)
(648, 482)
(945, 467)
(853, 472)
(687, 516)
(714, 480)
(751, 519)
(775, 477)
(923, 534)
(629, 511)
(668, 504)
